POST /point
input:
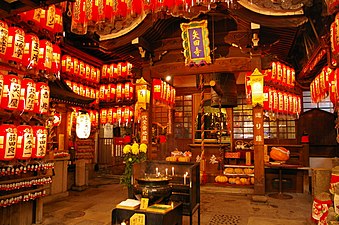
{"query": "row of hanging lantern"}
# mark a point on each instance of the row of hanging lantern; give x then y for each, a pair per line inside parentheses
(73, 67)
(49, 19)
(280, 74)
(281, 101)
(22, 142)
(28, 50)
(85, 11)
(121, 116)
(93, 115)
(23, 94)
(84, 90)
(115, 71)
(119, 92)
(163, 92)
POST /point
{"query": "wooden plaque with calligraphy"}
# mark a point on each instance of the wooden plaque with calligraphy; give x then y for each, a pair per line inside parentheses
(144, 127)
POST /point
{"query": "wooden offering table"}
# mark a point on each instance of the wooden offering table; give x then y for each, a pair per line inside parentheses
(171, 217)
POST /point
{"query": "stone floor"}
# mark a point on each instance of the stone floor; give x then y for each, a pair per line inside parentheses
(219, 206)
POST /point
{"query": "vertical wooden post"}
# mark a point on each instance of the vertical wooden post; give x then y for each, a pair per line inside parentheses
(258, 141)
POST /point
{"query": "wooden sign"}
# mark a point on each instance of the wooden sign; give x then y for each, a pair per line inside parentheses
(258, 130)
(144, 127)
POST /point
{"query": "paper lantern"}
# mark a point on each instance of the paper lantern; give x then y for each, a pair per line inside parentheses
(87, 91)
(127, 96)
(292, 77)
(67, 64)
(8, 139)
(129, 69)
(97, 96)
(266, 98)
(286, 102)
(117, 71)
(163, 91)
(123, 66)
(58, 24)
(24, 144)
(2, 83)
(56, 65)
(102, 92)
(40, 142)
(104, 74)
(257, 87)
(82, 69)
(47, 18)
(82, 90)
(42, 98)
(98, 75)
(120, 92)
(119, 115)
(109, 12)
(110, 72)
(110, 115)
(83, 126)
(93, 76)
(275, 100)
(27, 96)
(114, 116)
(112, 92)
(15, 45)
(332, 79)
(92, 90)
(290, 104)
(274, 73)
(11, 92)
(76, 67)
(88, 72)
(103, 116)
(288, 77)
(334, 35)
(32, 16)
(45, 56)
(69, 84)
(3, 38)
(76, 88)
(31, 51)
(157, 87)
(93, 11)
(79, 18)
(281, 102)
(284, 78)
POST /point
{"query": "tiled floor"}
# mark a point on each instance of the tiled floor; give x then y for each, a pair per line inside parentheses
(218, 207)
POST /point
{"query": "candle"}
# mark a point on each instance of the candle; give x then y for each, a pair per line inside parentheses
(172, 171)
(185, 175)
(166, 171)
(156, 171)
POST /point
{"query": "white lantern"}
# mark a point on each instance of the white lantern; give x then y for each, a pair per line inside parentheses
(83, 127)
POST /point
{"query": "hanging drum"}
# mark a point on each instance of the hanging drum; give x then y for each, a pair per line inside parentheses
(8, 139)
(42, 98)
(27, 96)
(11, 92)
(227, 84)
(24, 143)
(15, 45)
(31, 51)
(3, 38)
(40, 142)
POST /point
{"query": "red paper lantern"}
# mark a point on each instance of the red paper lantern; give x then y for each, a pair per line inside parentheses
(288, 77)
(69, 84)
(129, 91)
(3, 38)
(45, 56)
(87, 92)
(79, 18)
(8, 139)
(82, 69)
(120, 92)
(110, 115)
(284, 78)
(267, 75)
(11, 92)
(98, 75)
(281, 102)
(274, 73)
(27, 96)
(107, 94)
(93, 76)
(292, 77)
(127, 118)
(109, 6)
(279, 72)
(76, 88)
(97, 94)
(32, 16)
(119, 115)
(110, 72)
(58, 24)
(42, 98)
(24, 144)
(266, 98)
(40, 142)
(67, 64)
(275, 100)
(103, 116)
(290, 104)
(335, 35)
(112, 92)
(88, 72)
(92, 90)
(117, 71)
(104, 74)
(129, 69)
(114, 116)
(124, 70)
(82, 90)
(286, 102)
(157, 87)
(76, 67)
(332, 79)
(47, 18)
(31, 51)
(93, 11)
(15, 45)
(102, 92)
(56, 66)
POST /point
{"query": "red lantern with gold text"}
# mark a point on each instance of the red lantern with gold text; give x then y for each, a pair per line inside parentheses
(82, 69)
(119, 115)
(76, 67)
(88, 72)
(15, 45)
(110, 115)
(104, 74)
(40, 142)
(24, 144)
(69, 84)
(42, 98)
(98, 75)
(45, 56)
(32, 16)
(290, 104)
(56, 65)
(129, 69)
(292, 77)
(109, 6)
(11, 92)
(79, 18)
(126, 92)
(110, 72)
(279, 72)
(8, 139)
(87, 92)
(286, 102)
(31, 51)
(93, 76)
(27, 96)
(76, 88)
(163, 92)
(112, 92)
(274, 73)
(117, 71)
(281, 102)
(335, 35)
(81, 89)
(103, 116)
(288, 77)
(332, 86)
(114, 116)
(47, 19)
(107, 95)
(58, 24)
(102, 92)
(123, 66)
(284, 78)
(275, 100)
(66, 64)
(127, 118)
(119, 92)
(92, 90)
(157, 88)
(3, 38)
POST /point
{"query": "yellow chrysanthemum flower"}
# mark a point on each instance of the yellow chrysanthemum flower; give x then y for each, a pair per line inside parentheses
(135, 148)
(143, 148)
(127, 149)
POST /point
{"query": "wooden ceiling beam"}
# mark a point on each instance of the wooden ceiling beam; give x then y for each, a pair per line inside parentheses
(31, 3)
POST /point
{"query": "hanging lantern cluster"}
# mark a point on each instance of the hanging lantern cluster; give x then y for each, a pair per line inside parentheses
(49, 19)
(119, 116)
(23, 94)
(93, 116)
(280, 74)
(73, 67)
(163, 93)
(85, 12)
(28, 50)
(319, 87)
(281, 102)
(22, 142)
(113, 72)
(119, 92)
(83, 90)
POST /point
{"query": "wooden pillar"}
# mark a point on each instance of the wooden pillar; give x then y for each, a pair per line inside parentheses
(258, 141)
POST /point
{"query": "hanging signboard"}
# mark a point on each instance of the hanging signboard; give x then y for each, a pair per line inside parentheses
(144, 127)
(196, 43)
